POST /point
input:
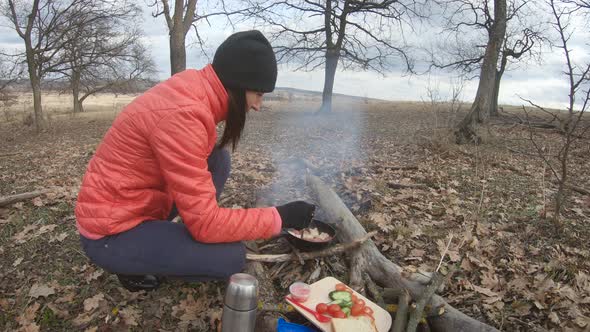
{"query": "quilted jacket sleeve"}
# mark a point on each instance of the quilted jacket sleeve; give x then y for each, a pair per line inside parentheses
(180, 144)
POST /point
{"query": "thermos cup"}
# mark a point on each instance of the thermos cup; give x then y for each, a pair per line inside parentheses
(240, 304)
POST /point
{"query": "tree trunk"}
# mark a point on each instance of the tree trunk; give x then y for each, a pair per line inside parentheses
(465, 132)
(81, 101)
(483, 103)
(179, 23)
(177, 49)
(35, 84)
(499, 73)
(76, 91)
(494, 107)
(563, 157)
(330, 73)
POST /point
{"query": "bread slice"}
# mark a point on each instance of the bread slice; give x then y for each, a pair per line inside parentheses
(353, 324)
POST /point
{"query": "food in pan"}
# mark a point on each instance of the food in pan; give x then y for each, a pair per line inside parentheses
(311, 234)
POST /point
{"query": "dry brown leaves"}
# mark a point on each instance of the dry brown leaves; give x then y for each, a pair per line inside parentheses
(514, 272)
(27, 319)
(32, 231)
(41, 290)
(197, 313)
(93, 307)
(130, 315)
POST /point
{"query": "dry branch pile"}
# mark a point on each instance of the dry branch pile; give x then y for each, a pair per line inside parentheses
(369, 269)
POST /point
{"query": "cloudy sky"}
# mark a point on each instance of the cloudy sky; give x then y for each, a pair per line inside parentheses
(542, 83)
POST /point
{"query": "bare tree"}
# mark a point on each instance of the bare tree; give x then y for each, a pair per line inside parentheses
(465, 50)
(515, 48)
(356, 34)
(572, 125)
(478, 14)
(10, 72)
(179, 20)
(42, 25)
(183, 15)
(104, 49)
(581, 4)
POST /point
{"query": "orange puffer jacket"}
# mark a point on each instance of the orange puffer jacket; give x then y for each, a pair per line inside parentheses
(156, 153)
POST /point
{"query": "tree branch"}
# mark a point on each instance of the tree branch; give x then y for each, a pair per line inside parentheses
(337, 249)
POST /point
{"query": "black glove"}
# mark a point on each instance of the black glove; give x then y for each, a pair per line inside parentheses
(296, 214)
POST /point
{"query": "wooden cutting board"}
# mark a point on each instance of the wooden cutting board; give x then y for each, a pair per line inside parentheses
(319, 294)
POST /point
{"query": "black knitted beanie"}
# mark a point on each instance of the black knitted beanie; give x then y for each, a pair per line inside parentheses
(246, 60)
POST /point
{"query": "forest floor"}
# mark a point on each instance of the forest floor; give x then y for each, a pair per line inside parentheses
(520, 272)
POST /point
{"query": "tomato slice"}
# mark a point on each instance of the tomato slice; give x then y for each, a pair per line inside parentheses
(367, 310)
(339, 314)
(321, 308)
(341, 287)
(357, 310)
(334, 308)
(360, 301)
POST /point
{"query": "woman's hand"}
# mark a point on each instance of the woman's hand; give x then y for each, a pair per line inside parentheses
(296, 214)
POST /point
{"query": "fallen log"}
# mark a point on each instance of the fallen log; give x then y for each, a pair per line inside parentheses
(337, 249)
(374, 291)
(579, 190)
(401, 316)
(394, 168)
(302, 163)
(384, 272)
(424, 298)
(509, 167)
(9, 154)
(7, 200)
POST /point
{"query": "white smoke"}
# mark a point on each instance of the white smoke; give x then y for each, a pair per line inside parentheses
(304, 140)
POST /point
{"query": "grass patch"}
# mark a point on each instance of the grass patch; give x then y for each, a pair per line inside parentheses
(563, 272)
(49, 321)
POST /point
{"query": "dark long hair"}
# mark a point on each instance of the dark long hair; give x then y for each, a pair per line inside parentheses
(236, 117)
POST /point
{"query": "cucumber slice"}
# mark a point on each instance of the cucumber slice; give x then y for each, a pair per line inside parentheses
(346, 304)
(346, 310)
(338, 302)
(341, 303)
(341, 295)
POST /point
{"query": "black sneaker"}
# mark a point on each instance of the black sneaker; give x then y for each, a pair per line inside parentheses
(138, 283)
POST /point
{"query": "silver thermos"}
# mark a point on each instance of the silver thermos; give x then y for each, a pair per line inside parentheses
(240, 304)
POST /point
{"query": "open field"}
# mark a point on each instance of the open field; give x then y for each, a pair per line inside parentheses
(518, 274)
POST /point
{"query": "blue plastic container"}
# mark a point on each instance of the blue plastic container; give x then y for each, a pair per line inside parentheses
(284, 326)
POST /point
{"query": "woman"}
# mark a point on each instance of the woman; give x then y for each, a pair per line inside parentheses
(160, 158)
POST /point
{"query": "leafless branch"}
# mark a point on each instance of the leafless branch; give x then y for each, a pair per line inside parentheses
(577, 77)
(471, 21)
(358, 31)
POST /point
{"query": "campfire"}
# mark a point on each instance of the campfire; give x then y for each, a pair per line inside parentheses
(408, 299)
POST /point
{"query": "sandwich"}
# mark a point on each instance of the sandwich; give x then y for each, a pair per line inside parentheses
(353, 324)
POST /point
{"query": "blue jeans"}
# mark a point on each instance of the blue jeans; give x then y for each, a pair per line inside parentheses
(164, 248)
